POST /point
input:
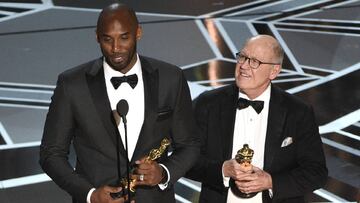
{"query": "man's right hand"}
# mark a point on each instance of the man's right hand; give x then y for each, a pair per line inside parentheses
(102, 195)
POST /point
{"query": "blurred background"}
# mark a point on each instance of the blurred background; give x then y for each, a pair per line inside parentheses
(321, 38)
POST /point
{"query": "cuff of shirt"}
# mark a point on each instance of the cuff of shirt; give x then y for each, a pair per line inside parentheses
(225, 179)
(164, 185)
(271, 193)
(89, 195)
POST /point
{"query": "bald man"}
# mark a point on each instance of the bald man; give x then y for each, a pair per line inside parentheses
(288, 159)
(82, 109)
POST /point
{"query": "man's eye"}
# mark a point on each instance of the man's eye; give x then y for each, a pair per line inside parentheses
(124, 37)
(106, 39)
(254, 61)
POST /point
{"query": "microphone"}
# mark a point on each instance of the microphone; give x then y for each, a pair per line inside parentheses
(122, 108)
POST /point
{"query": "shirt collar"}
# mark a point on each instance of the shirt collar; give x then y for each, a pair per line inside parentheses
(265, 96)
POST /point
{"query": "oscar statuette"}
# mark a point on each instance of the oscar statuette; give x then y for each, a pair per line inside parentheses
(152, 156)
(243, 157)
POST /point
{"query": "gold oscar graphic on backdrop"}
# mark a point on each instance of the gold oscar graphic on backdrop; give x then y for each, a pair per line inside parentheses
(243, 157)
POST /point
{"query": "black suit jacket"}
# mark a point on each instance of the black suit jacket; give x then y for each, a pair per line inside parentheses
(296, 169)
(80, 113)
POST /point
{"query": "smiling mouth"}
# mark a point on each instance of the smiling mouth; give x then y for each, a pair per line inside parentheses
(118, 59)
(244, 75)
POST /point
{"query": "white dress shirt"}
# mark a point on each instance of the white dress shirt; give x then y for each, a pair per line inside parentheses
(250, 128)
(135, 99)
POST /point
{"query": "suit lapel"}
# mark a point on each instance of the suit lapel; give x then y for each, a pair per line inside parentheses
(151, 92)
(96, 82)
(276, 120)
(228, 119)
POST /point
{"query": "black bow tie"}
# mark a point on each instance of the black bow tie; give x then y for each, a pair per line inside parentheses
(244, 103)
(131, 79)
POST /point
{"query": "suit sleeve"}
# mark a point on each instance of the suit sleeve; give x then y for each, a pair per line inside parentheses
(184, 138)
(310, 172)
(55, 144)
(207, 170)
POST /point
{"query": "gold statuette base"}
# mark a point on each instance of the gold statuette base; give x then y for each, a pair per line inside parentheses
(237, 192)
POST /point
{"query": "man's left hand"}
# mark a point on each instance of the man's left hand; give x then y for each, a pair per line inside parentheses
(148, 172)
(257, 181)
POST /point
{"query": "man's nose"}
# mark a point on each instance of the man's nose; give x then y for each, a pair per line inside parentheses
(116, 46)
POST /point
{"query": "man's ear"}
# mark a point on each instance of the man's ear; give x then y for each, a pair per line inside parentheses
(275, 71)
(97, 36)
(138, 32)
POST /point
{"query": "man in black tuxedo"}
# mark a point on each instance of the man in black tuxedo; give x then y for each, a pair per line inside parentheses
(288, 157)
(81, 112)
